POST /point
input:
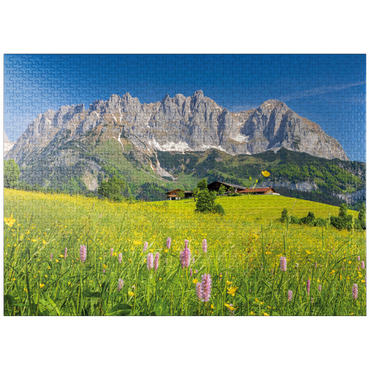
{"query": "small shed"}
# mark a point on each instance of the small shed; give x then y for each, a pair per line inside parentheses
(258, 191)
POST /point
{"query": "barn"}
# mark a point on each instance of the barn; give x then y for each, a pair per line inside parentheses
(215, 186)
(173, 194)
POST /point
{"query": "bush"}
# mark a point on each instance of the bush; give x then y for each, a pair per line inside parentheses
(117, 198)
(309, 219)
(202, 184)
(341, 222)
(320, 222)
(205, 201)
(112, 188)
(219, 209)
(284, 215)
(295, 220)
(361, 221)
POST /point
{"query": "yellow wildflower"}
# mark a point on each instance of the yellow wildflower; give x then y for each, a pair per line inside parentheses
(229, 282)
(44, 242)
(230, 307)
(265, 314)
(42, 285)
(9, 221)
(195, 281)
(232, 290)
(265, 173)
(131, 294)
(105, 266)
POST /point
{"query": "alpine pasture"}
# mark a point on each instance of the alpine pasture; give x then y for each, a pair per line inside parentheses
(73, 255)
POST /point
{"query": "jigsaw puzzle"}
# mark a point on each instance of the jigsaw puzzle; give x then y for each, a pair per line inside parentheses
(171, 185)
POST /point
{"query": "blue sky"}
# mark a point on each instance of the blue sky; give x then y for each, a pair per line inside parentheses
(327, 89)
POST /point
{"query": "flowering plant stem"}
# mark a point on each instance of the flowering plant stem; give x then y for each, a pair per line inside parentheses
(148, 285)
(81, 296)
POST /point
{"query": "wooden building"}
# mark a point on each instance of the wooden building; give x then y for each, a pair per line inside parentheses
(215, 186)
(258, 191)
(173, 194)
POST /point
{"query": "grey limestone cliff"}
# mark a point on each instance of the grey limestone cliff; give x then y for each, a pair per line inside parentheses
(194, 123)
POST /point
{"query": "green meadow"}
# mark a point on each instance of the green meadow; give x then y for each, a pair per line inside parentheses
(46, 272)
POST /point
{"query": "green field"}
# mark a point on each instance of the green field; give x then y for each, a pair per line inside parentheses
(242, 259)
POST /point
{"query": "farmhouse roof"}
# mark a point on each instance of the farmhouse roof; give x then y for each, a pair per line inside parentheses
(257, 190)
(227, 184)
(171, 191)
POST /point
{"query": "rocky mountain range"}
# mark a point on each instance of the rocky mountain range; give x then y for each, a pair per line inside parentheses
(125, 137)
(180, 124)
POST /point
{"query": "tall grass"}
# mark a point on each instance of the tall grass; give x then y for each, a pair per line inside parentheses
(244, 250)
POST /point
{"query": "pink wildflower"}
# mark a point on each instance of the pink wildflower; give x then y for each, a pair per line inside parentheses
(198, 289)
(51, 257)
(204, 244)
(185, 257)
(191, 272)
(363, 265)
(319, 288)
(120, 258)
(290, 295)
(168, 243)
(103, 271)
(354, 291)
(156, 262)
(186, 243)
(111, 252)
(120, 284)
(145, 246)
(149, 261)
(83, 253)
(283, 264)
(358, 258)
(206, 287)
(308, 286)
(65, 253)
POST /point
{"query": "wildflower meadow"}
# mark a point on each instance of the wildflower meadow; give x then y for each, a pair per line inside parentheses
(72, 255)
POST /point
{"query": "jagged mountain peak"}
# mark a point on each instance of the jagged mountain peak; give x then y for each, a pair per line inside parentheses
(180, 123)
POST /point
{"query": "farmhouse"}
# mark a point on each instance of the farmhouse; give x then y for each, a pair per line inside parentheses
(173, 194)
(258, 191)
(215, 186)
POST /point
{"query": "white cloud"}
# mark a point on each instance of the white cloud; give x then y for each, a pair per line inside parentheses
(317, 91)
